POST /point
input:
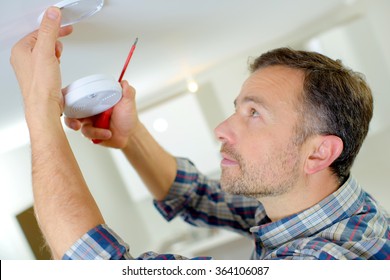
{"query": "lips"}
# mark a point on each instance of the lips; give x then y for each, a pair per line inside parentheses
(227, 160)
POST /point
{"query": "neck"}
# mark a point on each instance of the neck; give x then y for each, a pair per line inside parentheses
(308, 192)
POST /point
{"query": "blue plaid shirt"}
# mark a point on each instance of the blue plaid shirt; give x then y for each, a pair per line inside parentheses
(347, 224)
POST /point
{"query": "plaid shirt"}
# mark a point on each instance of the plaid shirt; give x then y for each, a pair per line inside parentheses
(347, 224)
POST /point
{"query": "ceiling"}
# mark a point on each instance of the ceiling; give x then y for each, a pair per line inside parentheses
(177, 38)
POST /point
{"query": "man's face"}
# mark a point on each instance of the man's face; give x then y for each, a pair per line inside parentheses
(260, 157)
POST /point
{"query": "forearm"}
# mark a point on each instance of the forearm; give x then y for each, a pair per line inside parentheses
(64, 207)
(155, 166)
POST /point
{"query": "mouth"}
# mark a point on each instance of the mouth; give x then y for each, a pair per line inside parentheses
(227, 160)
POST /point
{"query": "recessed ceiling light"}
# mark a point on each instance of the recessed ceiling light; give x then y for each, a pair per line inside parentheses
(192, 85)
(74, 11)
(160, 125)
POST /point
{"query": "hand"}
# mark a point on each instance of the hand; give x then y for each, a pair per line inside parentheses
(124, 121)
(35, 60)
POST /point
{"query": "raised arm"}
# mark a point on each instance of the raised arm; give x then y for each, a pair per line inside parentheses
(64, 207)
(154, 165)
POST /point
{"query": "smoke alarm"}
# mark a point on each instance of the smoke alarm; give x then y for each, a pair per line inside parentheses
(91, 95)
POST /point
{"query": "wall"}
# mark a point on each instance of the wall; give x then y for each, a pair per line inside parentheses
(16, 196)
(372, 167)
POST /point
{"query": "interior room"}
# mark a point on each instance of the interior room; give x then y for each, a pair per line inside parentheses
(188, 67)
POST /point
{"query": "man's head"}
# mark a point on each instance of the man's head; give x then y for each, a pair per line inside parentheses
(319, 96)
(335, 100)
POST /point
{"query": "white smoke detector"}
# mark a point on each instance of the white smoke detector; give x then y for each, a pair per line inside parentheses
(91, 95)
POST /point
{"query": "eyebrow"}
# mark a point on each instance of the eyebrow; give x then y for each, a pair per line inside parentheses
(254, 99)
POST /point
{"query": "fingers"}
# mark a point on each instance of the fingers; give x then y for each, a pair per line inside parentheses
(59, 48)
(49, 31)
(87, 128)
(23, 48)
(91, 132)
(27, 44)
(124, 117)
(74, 124)
(127, 101)
(128, 91)
(65, 31)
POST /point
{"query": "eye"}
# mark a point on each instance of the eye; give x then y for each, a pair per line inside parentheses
(254, 113)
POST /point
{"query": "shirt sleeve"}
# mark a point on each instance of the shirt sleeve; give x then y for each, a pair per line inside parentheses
(102, 243)
(201, 202)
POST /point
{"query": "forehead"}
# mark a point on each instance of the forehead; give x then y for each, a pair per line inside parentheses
(274, 85)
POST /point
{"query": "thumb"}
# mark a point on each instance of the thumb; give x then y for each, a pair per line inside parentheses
(48, 31)
(128, 96)
(128, 91)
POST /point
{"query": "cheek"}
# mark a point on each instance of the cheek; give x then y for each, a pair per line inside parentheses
(269, 148)
(262, 140)
(256, 149)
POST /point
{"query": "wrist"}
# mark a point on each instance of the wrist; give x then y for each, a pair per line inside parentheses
(43, 102)
(42, 117)
(136, 135)
(41, 108)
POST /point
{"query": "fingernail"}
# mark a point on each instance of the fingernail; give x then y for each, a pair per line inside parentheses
(73, 125)
(107, 134)
(52, 13)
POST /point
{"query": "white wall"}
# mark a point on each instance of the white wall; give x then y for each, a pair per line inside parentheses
(372, 167)
(16, 196)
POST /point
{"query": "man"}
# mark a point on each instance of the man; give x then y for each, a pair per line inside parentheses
(287, 151)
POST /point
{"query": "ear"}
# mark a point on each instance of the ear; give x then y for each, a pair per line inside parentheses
(325, 149)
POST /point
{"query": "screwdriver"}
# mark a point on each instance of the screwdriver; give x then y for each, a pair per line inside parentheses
(102, 120)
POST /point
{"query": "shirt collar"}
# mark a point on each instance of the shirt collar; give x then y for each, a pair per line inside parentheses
(335, 207)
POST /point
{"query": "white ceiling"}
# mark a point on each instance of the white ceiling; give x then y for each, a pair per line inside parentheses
(176, 38)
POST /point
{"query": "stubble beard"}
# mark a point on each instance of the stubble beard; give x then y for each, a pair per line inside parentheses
(275, 176)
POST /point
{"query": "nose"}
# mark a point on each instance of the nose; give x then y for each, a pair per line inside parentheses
(223, 131)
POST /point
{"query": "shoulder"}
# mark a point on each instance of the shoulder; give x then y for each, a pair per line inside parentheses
(319, 248)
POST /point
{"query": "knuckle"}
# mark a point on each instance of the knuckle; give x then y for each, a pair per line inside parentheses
(14, 52)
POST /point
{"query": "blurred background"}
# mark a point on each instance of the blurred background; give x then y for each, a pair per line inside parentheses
(190, 62)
